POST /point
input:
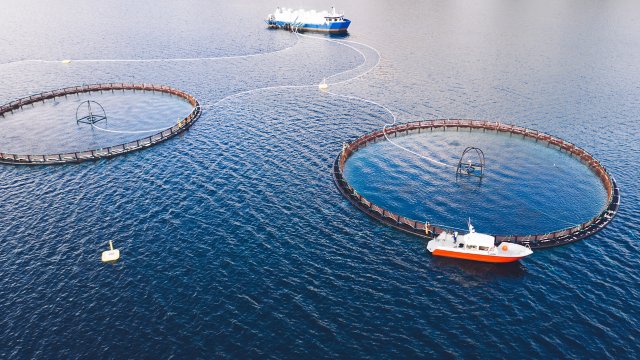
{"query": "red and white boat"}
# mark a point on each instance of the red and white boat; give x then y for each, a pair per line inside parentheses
(477, 247)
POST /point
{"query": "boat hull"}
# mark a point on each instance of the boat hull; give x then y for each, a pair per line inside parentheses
(333, 27)
(476, 257)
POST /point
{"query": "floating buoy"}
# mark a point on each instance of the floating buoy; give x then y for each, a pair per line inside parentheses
(323, 85)
(110, 255)
(66, 61)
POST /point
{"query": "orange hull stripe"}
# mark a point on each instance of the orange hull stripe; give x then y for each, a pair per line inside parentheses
(475, 257)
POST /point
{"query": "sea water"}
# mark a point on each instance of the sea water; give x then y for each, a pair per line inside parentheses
(234, 241)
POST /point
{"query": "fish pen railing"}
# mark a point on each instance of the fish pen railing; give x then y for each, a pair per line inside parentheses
(105, 152)
(415, 227)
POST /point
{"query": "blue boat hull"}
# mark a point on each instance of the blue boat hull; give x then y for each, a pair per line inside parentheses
(331, 27)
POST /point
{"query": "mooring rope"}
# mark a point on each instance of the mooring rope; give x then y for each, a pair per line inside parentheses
(298, 35)
(156, 59)
(345, 43)
(364, 57)
(245, 92)
(276, 87)
(393, 116)
(131, 132)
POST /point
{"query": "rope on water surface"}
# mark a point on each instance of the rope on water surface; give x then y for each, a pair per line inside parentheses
(393, 116)
(130, 132)
(298, 36)
(156, 59)
(346, 44)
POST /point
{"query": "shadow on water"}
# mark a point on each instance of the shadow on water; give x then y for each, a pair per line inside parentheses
(467, 182)
(338, 36)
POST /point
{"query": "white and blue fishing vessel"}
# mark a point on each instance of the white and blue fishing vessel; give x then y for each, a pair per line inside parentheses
(302, 20)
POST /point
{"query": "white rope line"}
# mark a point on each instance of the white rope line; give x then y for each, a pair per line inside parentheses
(391, 124)
(379, 56)
(393, 116)
(349, 97)
(341, 42)
(219, 101)
(130, 132)
(159, 59)
(384, 128)
(246, 92)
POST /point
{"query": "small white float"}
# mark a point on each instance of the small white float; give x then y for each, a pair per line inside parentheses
(110, 255)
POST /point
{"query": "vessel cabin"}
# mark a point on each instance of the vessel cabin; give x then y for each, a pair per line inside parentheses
(334, 18)
(476, 241)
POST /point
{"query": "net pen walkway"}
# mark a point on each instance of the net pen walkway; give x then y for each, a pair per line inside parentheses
(560, 237)
(105, 152)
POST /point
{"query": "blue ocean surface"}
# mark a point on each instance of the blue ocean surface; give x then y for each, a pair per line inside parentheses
(234, 240)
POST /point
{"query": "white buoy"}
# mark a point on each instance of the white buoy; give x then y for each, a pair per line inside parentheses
(66, 61)
(110, 255)
(323, 85)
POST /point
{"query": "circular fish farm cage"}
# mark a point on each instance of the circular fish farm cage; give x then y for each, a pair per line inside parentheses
(419, 228)
(103, 152)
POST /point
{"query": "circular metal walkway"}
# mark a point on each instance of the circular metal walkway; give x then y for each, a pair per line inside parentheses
(555, 238)
(106, 152)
